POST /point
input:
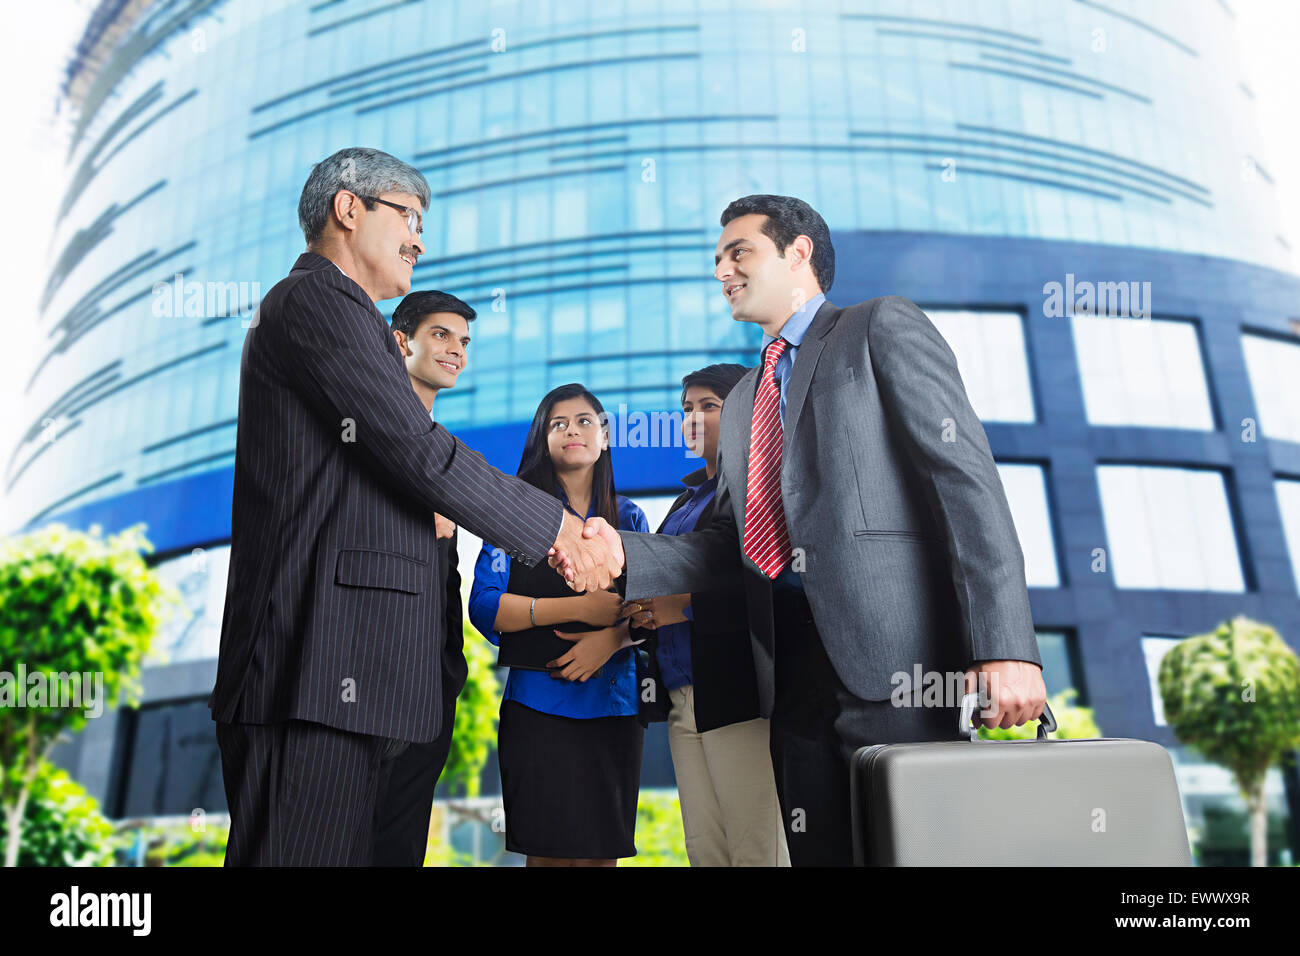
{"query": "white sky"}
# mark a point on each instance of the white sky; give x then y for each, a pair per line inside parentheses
(33, 173)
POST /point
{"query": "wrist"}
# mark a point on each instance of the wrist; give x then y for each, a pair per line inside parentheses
(542, 616)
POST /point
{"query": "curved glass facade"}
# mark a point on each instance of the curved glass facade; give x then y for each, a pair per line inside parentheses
(579, 154)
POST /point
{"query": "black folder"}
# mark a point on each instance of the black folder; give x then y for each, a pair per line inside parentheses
(530, 650)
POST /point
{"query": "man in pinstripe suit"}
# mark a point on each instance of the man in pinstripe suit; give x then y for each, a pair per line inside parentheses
(330, 659)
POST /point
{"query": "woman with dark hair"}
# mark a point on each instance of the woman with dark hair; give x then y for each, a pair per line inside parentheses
(720, 744)
(569, 742)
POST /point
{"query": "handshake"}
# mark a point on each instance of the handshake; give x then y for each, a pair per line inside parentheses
(589, 556)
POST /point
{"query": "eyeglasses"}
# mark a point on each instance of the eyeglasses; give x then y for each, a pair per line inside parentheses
(414, 221)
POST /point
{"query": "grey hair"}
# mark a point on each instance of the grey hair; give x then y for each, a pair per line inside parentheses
(367, 172)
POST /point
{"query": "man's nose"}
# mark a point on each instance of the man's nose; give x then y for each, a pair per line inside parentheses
(418, 243)
(723, 272)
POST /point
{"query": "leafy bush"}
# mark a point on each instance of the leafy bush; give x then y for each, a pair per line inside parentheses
(62, 825)
(660, 840)
(78, 612)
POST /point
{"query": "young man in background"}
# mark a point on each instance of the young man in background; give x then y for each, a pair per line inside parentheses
(432, 330)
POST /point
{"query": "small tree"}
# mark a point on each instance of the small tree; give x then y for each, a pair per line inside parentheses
(1234, 695)
(78, 613)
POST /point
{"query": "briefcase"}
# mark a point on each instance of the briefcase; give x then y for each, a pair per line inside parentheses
(1089, 802)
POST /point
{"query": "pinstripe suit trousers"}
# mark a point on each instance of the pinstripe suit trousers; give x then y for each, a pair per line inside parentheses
(301, 793)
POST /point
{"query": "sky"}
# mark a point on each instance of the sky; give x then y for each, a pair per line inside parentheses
(34, 170)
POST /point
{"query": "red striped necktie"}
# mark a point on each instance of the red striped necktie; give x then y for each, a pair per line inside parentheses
(767, 541)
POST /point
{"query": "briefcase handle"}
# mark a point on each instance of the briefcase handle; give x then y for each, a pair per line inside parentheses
(969, 703)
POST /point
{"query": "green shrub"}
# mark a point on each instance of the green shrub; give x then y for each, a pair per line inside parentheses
(660, 840)
(62, 825)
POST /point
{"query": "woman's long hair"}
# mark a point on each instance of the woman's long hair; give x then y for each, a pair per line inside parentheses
(537, 468)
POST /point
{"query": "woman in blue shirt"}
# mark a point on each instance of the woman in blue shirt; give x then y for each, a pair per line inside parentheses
(569, 743)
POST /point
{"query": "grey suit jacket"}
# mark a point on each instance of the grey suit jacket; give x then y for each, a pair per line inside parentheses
(896, 513)
(334, 605)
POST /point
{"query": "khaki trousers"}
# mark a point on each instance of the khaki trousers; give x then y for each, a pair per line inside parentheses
(730, 810)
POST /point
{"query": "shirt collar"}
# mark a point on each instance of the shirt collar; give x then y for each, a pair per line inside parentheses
(700, 476)
(796, 327)
(564, 498)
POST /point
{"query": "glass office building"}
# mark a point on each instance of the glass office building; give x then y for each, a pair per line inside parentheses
(1073, 190)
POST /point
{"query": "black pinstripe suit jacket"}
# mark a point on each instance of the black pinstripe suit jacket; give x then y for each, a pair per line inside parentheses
(333, 604)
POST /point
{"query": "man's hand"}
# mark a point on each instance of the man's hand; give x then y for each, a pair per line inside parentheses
(588, 562)
(653, 612)
(599, 528)
(1015, 693)
(443, 527)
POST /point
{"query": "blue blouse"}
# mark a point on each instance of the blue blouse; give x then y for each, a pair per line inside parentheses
(613, 693)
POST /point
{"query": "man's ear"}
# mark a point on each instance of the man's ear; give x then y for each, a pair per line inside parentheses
(347, 208)
(800, 252)
(401, 342)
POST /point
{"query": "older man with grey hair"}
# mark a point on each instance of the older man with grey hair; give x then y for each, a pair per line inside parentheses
(330, 660)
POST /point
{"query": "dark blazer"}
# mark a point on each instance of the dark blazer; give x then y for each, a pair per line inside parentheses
(722, 666)
(893, 504)
(333, 603)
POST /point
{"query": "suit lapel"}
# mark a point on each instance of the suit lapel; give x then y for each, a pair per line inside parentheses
(805, 361)
(736, 447)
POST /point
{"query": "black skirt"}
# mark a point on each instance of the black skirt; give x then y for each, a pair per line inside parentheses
(569, 785)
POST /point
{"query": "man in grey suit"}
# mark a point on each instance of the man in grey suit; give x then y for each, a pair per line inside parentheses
(859, 501)
(330, 662)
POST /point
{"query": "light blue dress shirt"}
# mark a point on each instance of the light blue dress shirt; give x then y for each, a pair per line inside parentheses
(795, 328)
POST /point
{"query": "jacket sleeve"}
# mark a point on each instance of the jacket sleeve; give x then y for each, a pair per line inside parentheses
(719, 609)
(698, 561)
(331, 351)
(926, 404)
